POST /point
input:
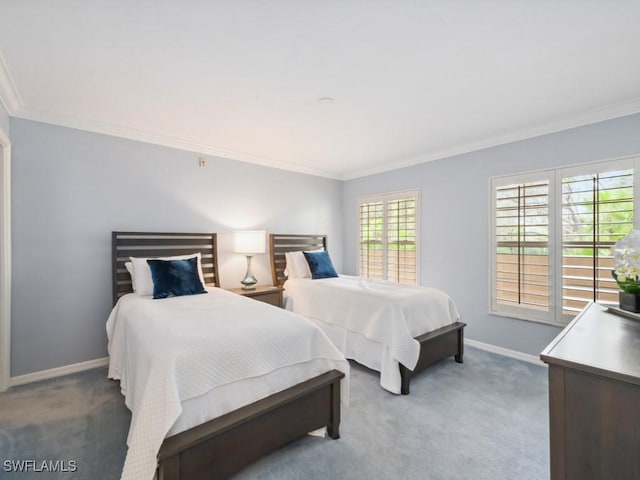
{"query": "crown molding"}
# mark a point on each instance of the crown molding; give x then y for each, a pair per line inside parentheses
(586, 118)
(11, 100)
(164, 140)
(9, 96)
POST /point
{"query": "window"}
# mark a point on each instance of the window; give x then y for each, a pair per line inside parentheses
(522, 244)
(552, 237)
(388, 239)
(597, 211)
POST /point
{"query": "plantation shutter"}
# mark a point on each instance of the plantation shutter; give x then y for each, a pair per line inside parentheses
(388, 242)
(552, 236)
(371, 240)
(522, 245)
(597, 210)
(401, 241)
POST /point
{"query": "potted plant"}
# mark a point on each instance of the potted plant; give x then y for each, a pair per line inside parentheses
(626, 262)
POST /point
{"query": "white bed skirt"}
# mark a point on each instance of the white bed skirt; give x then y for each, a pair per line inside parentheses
(369, 353)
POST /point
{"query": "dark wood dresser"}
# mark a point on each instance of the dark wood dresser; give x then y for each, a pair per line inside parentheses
(594, 397)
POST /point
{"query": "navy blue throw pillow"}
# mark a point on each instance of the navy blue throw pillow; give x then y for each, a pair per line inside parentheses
(320, 265)
(174, 278)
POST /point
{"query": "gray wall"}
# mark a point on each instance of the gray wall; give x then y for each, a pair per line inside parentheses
(72, 188)
(455, 217)
(4, 120)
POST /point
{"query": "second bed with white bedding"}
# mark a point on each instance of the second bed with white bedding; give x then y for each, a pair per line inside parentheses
(372, 321)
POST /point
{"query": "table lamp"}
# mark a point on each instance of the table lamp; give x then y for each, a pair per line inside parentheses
(249, 242)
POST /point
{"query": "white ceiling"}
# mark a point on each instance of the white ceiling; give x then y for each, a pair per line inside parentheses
(411, 80)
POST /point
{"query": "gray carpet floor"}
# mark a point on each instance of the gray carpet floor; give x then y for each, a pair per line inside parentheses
(485, 419)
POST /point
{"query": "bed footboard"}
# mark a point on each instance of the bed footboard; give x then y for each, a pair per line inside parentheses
(435, 346)
(224, 445)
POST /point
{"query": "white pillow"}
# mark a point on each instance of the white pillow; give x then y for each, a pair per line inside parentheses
(141, 276)
(297, 266)
(129, 267)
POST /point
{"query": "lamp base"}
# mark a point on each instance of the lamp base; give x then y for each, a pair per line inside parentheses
(249, 281)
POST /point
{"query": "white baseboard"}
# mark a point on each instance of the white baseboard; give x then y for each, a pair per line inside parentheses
(525, 357)
(58, 371)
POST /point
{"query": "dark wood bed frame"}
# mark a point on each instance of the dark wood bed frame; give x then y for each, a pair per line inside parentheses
(434, 346)
(223, 446)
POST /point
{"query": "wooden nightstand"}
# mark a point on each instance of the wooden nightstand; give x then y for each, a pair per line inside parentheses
(262, 293)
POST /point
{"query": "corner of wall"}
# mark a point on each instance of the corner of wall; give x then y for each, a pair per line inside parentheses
(5, 260)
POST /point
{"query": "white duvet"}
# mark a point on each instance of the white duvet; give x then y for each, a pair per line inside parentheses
(359, 313)
(170, 352)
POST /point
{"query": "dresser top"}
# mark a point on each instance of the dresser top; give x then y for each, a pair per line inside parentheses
(598, 342)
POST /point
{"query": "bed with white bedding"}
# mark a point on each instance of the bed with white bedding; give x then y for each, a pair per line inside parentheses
(395, 329)
(205, 373)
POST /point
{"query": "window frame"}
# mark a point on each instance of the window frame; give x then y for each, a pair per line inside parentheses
(554, 315)
(512, 310)
(384, 198)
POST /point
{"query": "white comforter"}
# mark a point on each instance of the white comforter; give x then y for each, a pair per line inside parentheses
(168, 351)
(383, 312)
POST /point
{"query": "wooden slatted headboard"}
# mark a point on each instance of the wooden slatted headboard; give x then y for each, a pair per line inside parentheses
(279, 243)
(149, 244)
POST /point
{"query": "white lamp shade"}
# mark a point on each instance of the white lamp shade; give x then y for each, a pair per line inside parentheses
(249, 241)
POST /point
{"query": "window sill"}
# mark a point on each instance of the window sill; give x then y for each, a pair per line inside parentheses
(515, 316)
